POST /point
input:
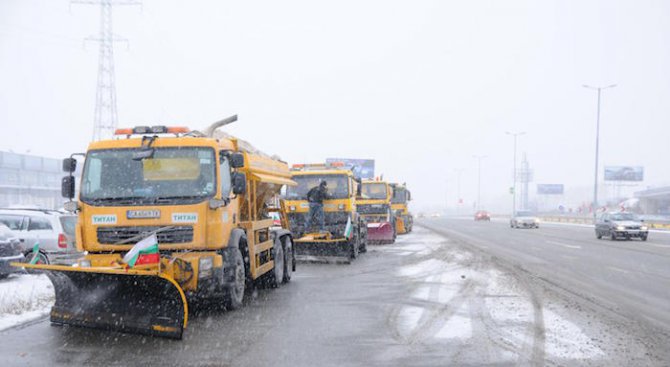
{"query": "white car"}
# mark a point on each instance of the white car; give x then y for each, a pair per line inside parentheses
(52, 230)
(524, 219)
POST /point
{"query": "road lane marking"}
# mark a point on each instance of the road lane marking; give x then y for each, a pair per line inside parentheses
(618, 269)
(564, 245)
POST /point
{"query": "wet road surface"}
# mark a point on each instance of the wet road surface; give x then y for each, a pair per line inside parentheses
(429, 300)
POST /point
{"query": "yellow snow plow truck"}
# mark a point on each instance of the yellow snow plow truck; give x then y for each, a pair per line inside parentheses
(344, 233)
(400, 207)
(166, 216)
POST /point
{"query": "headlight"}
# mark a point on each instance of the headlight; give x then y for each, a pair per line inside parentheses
(340, 207)
(536, 220)
(620, 228)
(85, 263)
(205, 266)
(291, 208)
(644, 228)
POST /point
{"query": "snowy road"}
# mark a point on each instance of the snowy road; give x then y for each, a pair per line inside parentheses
(429, 300)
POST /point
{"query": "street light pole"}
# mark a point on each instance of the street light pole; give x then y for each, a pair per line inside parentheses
(595, 183)
(458, 189)
(515, 135)
(479, 179)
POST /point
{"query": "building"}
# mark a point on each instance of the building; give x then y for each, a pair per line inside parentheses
(28, 180)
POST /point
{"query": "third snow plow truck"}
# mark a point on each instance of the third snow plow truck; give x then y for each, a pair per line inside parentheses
(400, 207)
(374, 204)
(344, 234)
(167, 215)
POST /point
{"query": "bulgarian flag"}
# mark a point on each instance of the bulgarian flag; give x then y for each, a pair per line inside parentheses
(144, 252)
(348, 228)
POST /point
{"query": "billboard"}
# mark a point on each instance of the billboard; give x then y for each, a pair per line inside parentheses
(550, 189)
(363, 168)
(624, 173)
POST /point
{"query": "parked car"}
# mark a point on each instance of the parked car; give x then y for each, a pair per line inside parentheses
(524, 219)
(621, 225)
(10, 251)
(482, 215)
(53, 230)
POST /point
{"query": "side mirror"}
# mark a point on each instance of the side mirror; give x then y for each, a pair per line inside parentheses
(641, 220)
(237, 160)
(69, 165)
(239, 181)
(67, 187)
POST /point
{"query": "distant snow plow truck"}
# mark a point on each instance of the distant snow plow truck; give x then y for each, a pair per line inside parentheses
(374, 205)
(400, 206)
(167, 215)
(344, 234)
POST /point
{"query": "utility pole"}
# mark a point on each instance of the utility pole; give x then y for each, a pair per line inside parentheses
(479, 178)
(105, 117)
(515, 135)
(595, 183)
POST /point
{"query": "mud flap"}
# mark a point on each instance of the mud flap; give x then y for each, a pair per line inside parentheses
(133, 303)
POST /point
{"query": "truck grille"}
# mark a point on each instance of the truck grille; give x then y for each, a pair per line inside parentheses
(176, 234)
(372, 208)
(632, 227)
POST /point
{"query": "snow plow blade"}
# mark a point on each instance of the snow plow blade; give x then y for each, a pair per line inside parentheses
(129, 301)
(312, 248)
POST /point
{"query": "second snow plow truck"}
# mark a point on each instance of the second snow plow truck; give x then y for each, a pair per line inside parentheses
(168, 215)
(344, 234)
(374, 205)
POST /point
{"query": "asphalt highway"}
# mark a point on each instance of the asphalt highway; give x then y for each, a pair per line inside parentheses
(461, 294)
(631, 277)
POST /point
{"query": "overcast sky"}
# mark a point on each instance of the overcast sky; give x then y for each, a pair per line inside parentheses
(420, 86)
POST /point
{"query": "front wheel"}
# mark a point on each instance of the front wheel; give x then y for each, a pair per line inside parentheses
(613, 236)
(644, 238)
(233, 294)
(598, 235)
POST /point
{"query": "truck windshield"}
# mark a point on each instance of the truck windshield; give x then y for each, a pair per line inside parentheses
(374, 190)
(400, 196)
(170, 176)
(338, 186)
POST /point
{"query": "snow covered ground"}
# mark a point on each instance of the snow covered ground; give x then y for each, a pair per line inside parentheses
(487, 313)
(24, 297)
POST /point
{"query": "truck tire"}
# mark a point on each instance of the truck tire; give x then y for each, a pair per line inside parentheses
(275, 277)
(598, 235)
(233, 293)
(289, 259)
(353, 248)
(362, 241)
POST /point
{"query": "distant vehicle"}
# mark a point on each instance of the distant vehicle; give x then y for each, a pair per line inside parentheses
(621, 225)
(10, 251)
(482, 215)
(524, 219)
(53, 231)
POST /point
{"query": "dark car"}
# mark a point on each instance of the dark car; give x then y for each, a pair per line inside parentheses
(482, 215)
(621, 225)
(10, 251)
